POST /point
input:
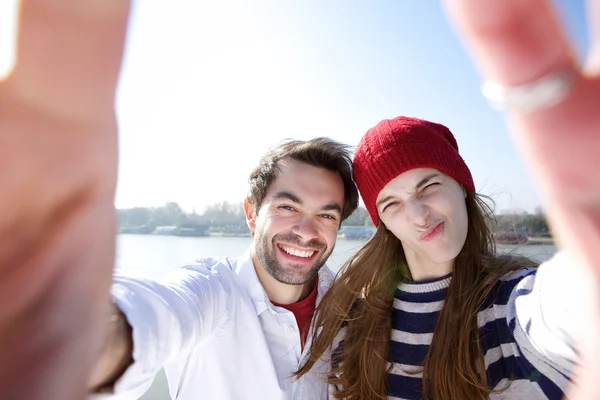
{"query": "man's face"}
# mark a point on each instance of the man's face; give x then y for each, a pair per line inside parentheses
(296, 226)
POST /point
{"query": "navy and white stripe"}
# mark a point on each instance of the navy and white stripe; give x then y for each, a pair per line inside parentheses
(514, 359)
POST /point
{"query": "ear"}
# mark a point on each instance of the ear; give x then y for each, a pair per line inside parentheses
(464, 191)
(250, 212)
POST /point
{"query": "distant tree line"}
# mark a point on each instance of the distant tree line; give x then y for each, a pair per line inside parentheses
(517, 228)
(532, 224)
(219, 215)
(230, 216)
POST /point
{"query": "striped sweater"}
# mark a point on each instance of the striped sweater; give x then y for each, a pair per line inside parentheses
(525, 333)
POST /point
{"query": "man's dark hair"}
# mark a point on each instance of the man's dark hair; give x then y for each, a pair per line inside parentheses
(319, 152)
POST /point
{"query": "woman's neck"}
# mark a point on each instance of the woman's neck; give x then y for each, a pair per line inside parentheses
(422, 269)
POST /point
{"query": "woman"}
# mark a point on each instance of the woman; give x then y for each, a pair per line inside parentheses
(427, 303)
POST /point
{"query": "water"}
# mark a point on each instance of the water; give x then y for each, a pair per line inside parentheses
(155, 255)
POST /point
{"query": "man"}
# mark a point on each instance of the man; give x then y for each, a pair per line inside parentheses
(222, 328)
(236, 328)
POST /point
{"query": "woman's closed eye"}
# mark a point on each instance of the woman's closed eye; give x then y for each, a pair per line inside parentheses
(430, 187)
(388, 205)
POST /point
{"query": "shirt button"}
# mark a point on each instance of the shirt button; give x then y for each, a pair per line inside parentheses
(291, 330)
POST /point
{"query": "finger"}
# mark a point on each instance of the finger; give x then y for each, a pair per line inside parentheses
(513, 41)
(69, 55)
(516, 42)
(48, 349)
(593, 63)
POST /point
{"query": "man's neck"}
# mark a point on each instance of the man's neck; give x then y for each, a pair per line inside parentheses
(281, 293)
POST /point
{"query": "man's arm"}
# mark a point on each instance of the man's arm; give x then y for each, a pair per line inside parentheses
(154, 323)
(116, 354)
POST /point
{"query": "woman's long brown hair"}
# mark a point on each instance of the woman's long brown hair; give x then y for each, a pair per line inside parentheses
(361, 299)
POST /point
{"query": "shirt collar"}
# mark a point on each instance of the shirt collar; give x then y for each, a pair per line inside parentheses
(249, 279)
(260, 300)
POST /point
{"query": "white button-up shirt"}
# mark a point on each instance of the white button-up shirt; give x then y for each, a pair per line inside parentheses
(214, 331)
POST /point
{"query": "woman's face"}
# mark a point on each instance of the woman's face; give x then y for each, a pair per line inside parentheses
(426, 210)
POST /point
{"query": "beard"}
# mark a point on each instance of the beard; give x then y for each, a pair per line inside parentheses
(292, 275)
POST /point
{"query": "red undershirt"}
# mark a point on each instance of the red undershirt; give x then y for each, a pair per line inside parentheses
(303, 310)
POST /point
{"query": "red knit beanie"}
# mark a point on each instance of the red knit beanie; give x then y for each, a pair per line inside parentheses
(398, 145)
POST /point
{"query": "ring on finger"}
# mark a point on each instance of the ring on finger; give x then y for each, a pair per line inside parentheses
(545, 92)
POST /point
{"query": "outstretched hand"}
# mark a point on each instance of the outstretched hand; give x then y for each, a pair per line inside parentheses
(516, 42)
(58, 163)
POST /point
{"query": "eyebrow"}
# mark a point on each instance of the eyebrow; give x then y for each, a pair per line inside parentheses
(295, 199)
(332, 207)
(287, 196)
(384, 200)
(419, 185)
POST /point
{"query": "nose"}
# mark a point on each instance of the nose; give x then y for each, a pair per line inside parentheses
(306, 229)
(418, 213)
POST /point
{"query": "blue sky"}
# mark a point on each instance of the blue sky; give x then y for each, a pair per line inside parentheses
(207, 87)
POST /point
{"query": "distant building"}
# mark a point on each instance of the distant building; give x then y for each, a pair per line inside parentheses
(165, 230)
(183, 230)
(143, 229)
(192, 230)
